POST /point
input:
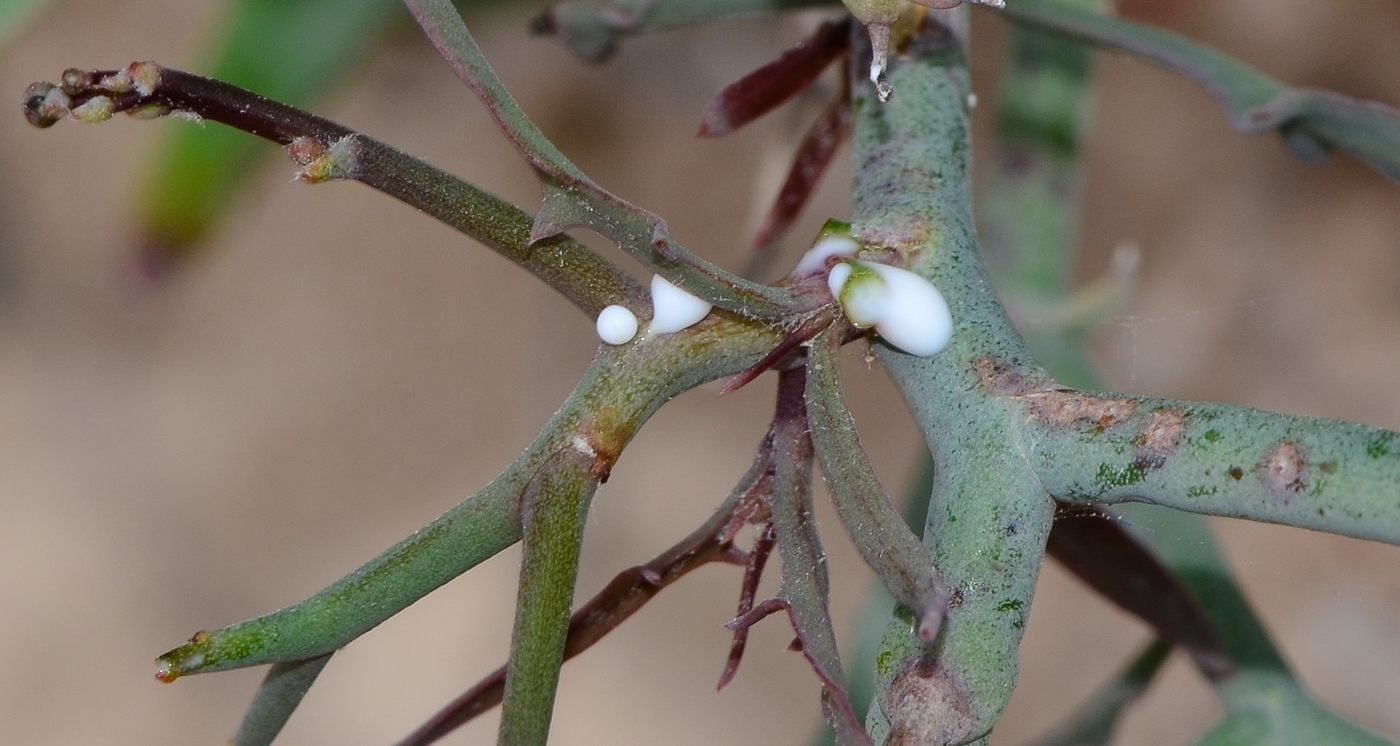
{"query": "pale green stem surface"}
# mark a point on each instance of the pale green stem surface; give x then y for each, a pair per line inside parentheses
(1033, 201)
(1215, 459)
(988, 518)
(877, 529)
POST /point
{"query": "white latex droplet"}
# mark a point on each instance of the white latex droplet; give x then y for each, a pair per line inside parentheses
(905, 309)
(814, 261)
(617, 325)
(916, 318)
(836, 281)
(673, 309)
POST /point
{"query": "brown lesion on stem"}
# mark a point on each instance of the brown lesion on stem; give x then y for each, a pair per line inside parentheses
(1160, 438)
(1284, 471)
(926, 704)
(1051, 404)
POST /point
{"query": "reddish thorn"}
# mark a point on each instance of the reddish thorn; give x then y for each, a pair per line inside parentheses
(756, 614)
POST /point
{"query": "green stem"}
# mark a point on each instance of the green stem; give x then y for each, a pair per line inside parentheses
(1213, 459)
(622, 388)
(988, 519)
(278, 697)
(1310, 121)
(555, 508)
(329, 150)
(572, 200)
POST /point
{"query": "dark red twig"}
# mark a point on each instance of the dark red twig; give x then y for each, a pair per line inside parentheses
(758, 557)
(766, 88)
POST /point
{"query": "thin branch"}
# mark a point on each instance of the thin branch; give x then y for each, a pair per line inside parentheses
(277, 698)
(622, 597)
(572, 200)
(194, 175)
(763, 545)
(1310, 121)
(329, 150)
(805, 586)
(877, 529)
(470, 533)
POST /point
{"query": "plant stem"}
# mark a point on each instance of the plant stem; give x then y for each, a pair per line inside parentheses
(988, 519)
(330, 150)
(553, 513)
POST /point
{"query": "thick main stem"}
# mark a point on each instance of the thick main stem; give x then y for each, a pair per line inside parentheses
(988, 518)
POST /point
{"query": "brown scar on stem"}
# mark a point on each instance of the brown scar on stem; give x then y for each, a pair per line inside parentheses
(1284, 470)
(1160, 438)
(603, 459)
(903, 241)
(925, 704)
(1050, 403)
(1004, 379)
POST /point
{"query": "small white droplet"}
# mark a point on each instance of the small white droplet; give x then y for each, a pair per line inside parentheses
(836, 281)
(814, 261)
(617, 325)
(673, 309)
(971, 101)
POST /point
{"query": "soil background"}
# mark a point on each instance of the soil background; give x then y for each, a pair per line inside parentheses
(334, 371)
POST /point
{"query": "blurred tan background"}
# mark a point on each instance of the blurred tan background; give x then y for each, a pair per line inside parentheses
(338, 370)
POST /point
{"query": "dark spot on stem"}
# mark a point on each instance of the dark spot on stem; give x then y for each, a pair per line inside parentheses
(1236, 473)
